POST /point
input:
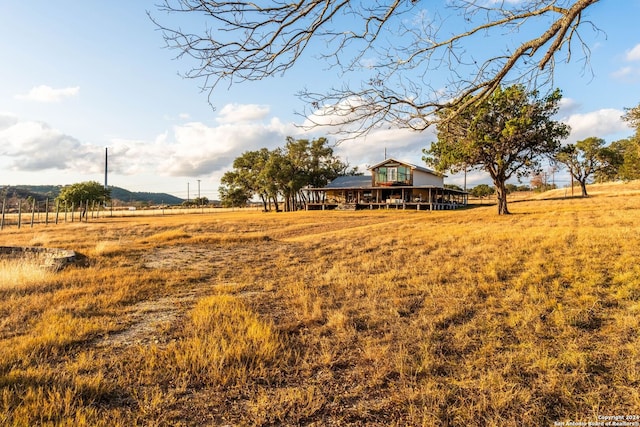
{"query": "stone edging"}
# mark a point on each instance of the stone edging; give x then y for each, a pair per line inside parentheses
(53, 258)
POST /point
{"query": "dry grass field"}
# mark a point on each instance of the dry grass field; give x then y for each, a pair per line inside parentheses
(377, 318)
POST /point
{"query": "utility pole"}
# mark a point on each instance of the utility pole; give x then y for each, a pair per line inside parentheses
(106, 170)
(199, 200)
(106, 160)
(571, 184)
(187, 193)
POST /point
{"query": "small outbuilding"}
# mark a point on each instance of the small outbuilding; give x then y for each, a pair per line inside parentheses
(392, 183)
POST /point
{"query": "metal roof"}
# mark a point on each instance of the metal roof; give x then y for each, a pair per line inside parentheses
(356, 181)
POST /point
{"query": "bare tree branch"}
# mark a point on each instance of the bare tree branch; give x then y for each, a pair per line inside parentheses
(401, 46)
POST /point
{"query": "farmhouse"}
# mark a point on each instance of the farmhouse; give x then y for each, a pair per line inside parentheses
(392, 184)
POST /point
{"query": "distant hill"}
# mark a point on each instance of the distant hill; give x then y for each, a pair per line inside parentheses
(144, 197)
(41, 192)
(38, 192)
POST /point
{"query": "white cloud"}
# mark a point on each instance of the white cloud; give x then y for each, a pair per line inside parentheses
(599, 123)
(238, 113)
(45, 93)
(633, 54)
(35, 146)
(7, 120)
(402, 144)
(331, 118)
(568, 105)
(624, 72)
(197, 149)
(190, 149)
(629, 73)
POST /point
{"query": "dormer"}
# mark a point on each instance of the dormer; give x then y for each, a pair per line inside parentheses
(392, 172)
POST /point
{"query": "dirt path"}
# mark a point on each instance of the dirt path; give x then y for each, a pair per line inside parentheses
(147, 321)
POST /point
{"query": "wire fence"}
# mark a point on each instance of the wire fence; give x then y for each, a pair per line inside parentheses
(28, 212)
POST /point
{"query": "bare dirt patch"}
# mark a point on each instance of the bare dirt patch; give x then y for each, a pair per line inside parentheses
(202, 258)
(147, 321)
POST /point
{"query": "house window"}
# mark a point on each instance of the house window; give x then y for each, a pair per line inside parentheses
(382, 175)
(392, 174)
(404, 174)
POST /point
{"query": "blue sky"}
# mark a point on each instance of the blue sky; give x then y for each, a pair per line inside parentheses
(79, 76)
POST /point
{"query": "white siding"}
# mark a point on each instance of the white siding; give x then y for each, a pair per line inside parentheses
(423, 178)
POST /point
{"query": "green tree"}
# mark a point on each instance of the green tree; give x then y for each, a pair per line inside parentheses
(248, 177)
(308, 164)
(627, 153)
(583, 159)
(613, 158)
(201, 201)
(482, 190)
(84, 192)
(277, 173)
(632, 116)
(511, 188)
(284, 173)
(233, 197)
(630, 148)
(505, 135)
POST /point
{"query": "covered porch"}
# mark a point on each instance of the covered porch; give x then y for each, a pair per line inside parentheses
(396, 197)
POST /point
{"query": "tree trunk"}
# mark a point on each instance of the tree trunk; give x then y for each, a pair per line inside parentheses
(501, 193)
(291, 201)
(302, 199)
(583, 187)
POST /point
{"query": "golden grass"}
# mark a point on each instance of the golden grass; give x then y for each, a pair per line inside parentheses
(222, 343)
(331, 318)
(21, 274)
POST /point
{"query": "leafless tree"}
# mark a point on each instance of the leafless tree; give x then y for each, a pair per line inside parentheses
(392, 47)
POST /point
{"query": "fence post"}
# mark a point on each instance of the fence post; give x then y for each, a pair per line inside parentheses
(46, 210)
(73, 210)
(57, 209)
(4, 202)
(19, 213)
(33, 211)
